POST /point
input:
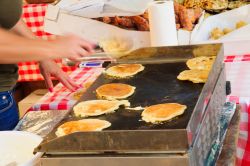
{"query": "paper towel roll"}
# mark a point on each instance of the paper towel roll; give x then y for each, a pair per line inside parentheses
(162, 24)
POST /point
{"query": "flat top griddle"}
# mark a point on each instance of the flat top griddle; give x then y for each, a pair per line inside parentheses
(156, 84)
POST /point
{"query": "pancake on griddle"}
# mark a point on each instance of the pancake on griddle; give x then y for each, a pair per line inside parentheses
(78, 94)
(201, 63)
(97, 107)
(196, 75)
(124, 70)
(82, 125)
(162, 112)
(114, 91)
(87, 84)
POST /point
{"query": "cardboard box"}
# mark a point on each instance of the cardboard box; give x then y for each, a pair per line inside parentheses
(60, 21)
(224, 20)
(63, 18)
(25, 104)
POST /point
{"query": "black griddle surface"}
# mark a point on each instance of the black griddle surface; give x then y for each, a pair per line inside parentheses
(156, 84)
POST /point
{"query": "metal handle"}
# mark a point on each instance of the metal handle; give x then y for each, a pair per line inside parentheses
(228, 88)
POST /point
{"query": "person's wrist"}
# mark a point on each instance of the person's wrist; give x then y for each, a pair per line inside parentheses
(52, 51)
(31, 35)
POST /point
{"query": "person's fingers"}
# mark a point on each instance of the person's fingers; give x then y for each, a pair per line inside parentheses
(82, 52)
(64, 76)
(93, 45)
(76, 56)
(72, 82)
(87, 46)
(50, 68)
(66, 83)
(73, 59)
(48, 81)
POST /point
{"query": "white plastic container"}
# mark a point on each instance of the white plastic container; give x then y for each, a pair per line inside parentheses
(16, 148)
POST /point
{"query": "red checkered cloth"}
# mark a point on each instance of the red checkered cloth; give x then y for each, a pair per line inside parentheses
(243, 145)
(33, 16)
(61, 98)
(243, 148)
(237, 72)
(239, 58)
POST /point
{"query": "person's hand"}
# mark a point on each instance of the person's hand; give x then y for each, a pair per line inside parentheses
(49, 68)
(71, 47)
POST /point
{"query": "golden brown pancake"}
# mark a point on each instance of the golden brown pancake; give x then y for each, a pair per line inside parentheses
(82, 125)
(114, 91)
(196, 76)
(201, 63)
(78, 94)
(162, 112)
(124, 70)
(87, 85)
(97, 107)
(116, 47)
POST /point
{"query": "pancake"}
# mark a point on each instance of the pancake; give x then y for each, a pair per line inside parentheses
(116, 47)
(97, 107)
(78, 94)
(87, 85)
(201, 63)
(81, 126)
(124, 70)
(162, 112)
(114, 91)
(196, 76)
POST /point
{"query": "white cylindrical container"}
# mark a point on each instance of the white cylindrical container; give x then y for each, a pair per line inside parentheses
(16, 148)
(162, 23)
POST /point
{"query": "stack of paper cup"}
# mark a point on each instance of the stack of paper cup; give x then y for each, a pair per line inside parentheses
(162, 24)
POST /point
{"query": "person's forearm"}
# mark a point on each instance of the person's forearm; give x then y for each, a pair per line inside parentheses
(14, 48)
(21, 29)
(23, 47)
